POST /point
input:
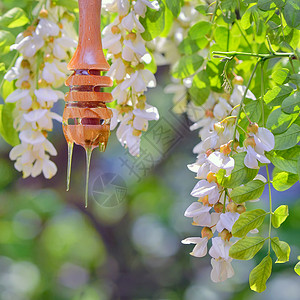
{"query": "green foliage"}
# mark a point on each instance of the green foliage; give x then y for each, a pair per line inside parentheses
(280, 215)
(187, 66)
(276, 95)
(239, 175)
(6, 40)
(281, 76)
(7, 130)
(16, 17)
(282, 180)
(250, 191)
(174, 6)
(246, 248)
(291, 13)
(291, 104)
(288, 139)
(281, 249)
(154, 22)
(260, 274)
(247, 221)
(200, 89)
(297, 268)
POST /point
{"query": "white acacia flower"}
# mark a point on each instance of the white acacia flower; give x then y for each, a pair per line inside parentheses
(131, 21)
(29, 45)
(46, 28)
(112, 42)
(117, 69)
(48, 96)
(220, 249)
(55, 72)
(226, 221)
(219, 161)
(21, 95)
(142, 116)
(264, 141)
(237, 95)
(221, 270)
(133, 48)
(200, 249)
(140, 6)
(204, 188)
(62, 45)
(119, 6)
(222, 109)
(199, 213)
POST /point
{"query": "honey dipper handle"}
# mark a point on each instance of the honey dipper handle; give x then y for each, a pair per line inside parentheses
(89, 53)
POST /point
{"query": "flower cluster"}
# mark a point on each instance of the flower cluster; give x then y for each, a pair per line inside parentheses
(215, 211)
(166, 53)
(44, 47)
(128, 53)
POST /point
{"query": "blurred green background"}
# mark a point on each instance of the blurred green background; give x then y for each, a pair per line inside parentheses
(126, 244)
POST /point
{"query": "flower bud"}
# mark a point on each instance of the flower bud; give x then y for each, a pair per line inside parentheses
(225, 235)
(140, 66)
(209, 152)
(207, 232)
(42, 83)
(235, 145)
(204, 200)
(218, 207)
(253, 127)
(43, 13)
(232, 207)
(238, 80)
(241, 209)
(211, 177)
(69, 17)
(226, 148)
(25, 64)
(249, 141)
(209, 113)
(129, 70)
(115, 29)
(136, 132)
(131, 36)
(218, 127)
(25, 85)
(140, 105)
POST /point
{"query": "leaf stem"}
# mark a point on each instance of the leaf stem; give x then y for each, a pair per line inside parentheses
(243, 35)
(243, 99)
(263, 56)
(262, 91)
(270, 205)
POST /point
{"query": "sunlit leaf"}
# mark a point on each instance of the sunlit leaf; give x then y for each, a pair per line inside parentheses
(280, 215)
(281, 249)
(282, 180)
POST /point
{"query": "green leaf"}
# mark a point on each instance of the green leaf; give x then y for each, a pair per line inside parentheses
(174, 7)
(260, 274)
(288, 139)
(265, 4)
(15, 17)
(253, 111)
(278, 121)
(298, 167)
(247, 221)
(281, 76)
(199, 30)
(71, 5)
(154, 22)
(291, 104)
(276, 95)
(279, 3)
(295, 78)
(239, 175)
(187, 66)
(281, 249)
(280, 215)
(291, 13)
(246, 248)
(189, 46)
(285, 160)
(7, 130)
(297, 268)
(200, 89)
(6, 40)
(250, 191)
(282, 180)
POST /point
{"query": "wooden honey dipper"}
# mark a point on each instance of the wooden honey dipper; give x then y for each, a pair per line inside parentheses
(86, 119)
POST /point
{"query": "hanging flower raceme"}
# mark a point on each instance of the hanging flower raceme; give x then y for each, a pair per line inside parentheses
(127, 50)
(44, 49)
(214, 210)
